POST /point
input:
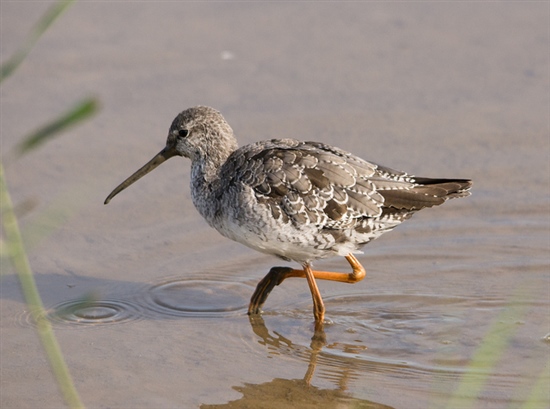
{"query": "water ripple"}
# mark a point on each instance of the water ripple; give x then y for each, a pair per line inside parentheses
(197, 297)
(81, 313)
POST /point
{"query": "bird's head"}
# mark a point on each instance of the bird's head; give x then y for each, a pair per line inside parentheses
(199, 133)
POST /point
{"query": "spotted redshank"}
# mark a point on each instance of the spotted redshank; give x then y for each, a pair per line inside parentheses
(296, 200)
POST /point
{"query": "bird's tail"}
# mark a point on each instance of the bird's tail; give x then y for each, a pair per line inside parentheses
(425, 192)
(453, 187)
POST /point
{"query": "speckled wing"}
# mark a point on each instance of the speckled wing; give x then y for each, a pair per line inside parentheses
(313, 183)
(309, 183)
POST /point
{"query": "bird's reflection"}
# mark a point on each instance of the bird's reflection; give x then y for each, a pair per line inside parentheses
(280, 393)
(318, 340)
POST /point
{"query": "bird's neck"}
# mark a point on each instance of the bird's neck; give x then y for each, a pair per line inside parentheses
(205, 181)
(206, 166)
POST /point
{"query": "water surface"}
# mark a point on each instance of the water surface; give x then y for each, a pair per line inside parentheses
(149, 304)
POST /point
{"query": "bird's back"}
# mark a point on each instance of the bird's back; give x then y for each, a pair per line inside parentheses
(321, 197)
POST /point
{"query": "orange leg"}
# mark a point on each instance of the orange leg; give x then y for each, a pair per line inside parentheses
(318, 305)
(278, 274)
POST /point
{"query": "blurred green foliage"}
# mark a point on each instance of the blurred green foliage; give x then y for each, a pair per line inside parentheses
(12, 243)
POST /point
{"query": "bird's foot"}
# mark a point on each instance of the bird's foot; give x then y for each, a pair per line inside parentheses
(275, 277)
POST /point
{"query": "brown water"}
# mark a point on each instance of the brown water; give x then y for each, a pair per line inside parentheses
(437, 89)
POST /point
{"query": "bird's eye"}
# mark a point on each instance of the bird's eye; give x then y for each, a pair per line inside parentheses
(183, 133)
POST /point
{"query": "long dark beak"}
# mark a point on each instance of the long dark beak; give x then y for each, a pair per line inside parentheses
(160, 157)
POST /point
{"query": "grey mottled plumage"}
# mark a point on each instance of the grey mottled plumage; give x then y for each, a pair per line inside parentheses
(296, 200)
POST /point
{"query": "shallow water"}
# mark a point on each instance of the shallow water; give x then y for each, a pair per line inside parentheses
(149, 304)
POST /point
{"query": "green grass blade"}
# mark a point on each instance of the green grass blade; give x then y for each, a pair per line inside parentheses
(41, 26)
(77, 113)
(486, 357)
(539, 394)
(18, 257)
